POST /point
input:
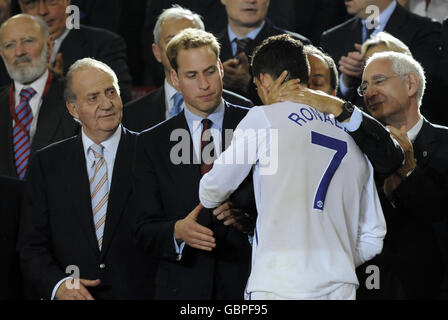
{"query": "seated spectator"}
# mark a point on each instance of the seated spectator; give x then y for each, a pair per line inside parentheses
(73, 44)
(434, 9)
(383, 41)
(422, 35)
(247, 28)
(32, 111)
(323, 71)
(166, 101)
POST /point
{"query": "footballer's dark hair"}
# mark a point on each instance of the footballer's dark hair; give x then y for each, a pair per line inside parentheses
(278, 53)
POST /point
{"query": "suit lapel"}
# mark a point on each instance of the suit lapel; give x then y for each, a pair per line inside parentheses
(80, 188)
(6, 136)
(119, 190)
(230, 121)
(187, 172)
(161, 103)
(425, 144)
(72, 48)
(226, 50)
(49, 116)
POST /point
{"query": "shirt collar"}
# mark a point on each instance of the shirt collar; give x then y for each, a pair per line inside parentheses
(110, 145)
(412, 134)
(194, 121)
(38, 85)
(383, 17)
(252, 35)
(170, 91)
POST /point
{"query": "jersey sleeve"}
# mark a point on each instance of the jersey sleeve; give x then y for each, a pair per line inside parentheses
(236, 162)
(372, 225)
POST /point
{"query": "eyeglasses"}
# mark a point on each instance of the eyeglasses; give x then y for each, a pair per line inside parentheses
(32, 4)
(378, 81)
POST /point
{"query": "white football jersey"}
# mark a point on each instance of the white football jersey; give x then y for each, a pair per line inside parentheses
(319, 215)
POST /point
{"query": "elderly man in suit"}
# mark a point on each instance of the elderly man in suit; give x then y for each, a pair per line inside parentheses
(74, 215)
(415, 248)
(167, 101)
(73, 44)
(199, 257)
(32, 112)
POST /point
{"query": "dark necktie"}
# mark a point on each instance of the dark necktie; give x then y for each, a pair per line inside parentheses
(21, 131)
(369, 32)
(207, 147)
(241, 45)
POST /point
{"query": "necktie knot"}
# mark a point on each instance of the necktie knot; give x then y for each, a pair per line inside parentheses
(98, 150)
(27, 93)
(178, 99)
(206, 124)
(241, 45)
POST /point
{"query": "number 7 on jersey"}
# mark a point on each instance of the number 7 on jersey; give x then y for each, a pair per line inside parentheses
(341, 150)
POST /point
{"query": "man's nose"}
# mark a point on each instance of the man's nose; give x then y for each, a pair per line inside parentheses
(203, 82)
(20, 49)
(43, 9)
(105, 103)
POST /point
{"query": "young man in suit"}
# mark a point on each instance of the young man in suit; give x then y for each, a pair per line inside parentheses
(247, 28)
(199, 256)
(73, 44)
(166, 101)
(74, 215)
(32, 112)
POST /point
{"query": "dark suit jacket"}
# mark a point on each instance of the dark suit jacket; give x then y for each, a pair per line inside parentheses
(375, 142)
(102, 45)
(150, 110)
(267, 31)
(55, 123)
(416, 243)
(166, 192)
(11, 195)
(423, 37)
(57, 227)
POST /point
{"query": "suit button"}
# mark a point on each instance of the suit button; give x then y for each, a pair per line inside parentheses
(102, 266)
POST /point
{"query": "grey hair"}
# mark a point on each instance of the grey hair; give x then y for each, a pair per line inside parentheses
(85, 63)
(388, 40)
(176, 12)
(42, 24)
(402, 65)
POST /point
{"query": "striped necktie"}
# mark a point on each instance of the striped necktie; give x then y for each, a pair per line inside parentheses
(21, 131)
(99, 190)
(241, 45)
(178, 99)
